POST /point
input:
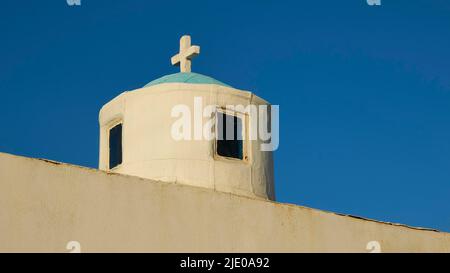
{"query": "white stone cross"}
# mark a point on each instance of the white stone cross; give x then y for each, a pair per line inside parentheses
(187, 52)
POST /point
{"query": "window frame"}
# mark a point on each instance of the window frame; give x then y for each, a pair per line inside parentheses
(245, 146)
(108, 130)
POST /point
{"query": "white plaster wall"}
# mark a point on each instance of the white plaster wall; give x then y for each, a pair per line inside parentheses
(44, 205)
(150, 151)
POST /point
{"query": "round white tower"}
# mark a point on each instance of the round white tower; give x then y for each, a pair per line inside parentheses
(171, 130)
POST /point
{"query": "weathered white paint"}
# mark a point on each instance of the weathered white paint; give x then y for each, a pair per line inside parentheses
(150, 151)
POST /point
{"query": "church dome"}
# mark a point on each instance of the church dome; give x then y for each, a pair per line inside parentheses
(186, 77)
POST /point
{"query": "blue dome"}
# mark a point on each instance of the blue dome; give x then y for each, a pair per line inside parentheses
(186, 78)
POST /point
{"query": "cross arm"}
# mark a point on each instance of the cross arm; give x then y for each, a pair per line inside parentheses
(192, 52)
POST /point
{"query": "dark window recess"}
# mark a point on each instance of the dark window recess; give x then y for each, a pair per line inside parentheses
(229, 136)
(115, 146)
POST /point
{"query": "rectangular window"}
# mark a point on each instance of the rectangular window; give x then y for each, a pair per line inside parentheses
(115, 146)
(229, 136)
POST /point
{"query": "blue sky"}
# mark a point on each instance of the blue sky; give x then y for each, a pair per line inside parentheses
(364, 91)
